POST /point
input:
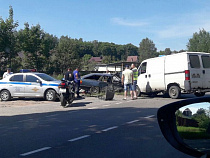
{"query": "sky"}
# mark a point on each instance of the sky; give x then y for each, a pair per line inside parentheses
(194, 107)
(168, 23)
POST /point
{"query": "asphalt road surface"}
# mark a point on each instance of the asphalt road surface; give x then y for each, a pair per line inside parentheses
(90, 128)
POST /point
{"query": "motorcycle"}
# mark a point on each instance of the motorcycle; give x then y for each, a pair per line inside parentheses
(66, 92)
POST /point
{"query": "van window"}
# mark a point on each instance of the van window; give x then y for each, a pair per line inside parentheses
(206, 61)
(143, 68)
(194, 61)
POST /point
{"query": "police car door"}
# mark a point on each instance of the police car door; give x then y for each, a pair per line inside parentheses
(33, 87)
(16, 85)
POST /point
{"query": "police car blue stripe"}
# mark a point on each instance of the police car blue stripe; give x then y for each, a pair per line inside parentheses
(19, 83)
(44, 84)
(23, 83)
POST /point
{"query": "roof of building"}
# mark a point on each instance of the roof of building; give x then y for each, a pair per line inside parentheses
(96, 59)
(132, 59)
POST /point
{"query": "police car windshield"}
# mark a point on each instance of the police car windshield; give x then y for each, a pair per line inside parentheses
(46, 77)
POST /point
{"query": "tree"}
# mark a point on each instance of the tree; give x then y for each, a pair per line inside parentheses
(66, 55)
(48, 44)
(85, 61)
(147, 49)
(8, 49)
(130, 50)
(30, 42)
(200, 42)
(201, 117)
(168, 51)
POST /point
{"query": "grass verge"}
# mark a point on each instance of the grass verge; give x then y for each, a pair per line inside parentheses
(193, 132)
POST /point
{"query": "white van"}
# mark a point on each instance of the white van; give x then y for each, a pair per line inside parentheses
(187, 72)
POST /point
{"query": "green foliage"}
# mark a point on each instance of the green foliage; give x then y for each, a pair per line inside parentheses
(200, 42)
(202, 119)
(147, 49)
(86, 64)
(168, 51)
(192, 133)
(8, 49)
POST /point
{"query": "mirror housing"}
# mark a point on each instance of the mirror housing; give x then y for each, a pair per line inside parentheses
(167, 123)
(38, 81)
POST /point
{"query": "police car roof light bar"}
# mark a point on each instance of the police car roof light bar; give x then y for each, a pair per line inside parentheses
(27, 70)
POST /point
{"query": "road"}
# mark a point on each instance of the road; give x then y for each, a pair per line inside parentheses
(90, 128)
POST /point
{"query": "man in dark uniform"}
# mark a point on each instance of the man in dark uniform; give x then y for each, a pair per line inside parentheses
(69, 75)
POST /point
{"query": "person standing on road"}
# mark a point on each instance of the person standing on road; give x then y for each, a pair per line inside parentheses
(135, 78)
(77, 81)
(69, 75)
(7, 73)
(127, 81)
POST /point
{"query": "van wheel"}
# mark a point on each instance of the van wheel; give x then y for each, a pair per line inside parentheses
(138, 91)
(174, 92)
(199, 94)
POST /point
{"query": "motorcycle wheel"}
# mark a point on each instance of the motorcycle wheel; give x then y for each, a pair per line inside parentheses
(63, 100)
(71, 99)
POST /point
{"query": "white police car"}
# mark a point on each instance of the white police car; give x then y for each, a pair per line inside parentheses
(29, 84)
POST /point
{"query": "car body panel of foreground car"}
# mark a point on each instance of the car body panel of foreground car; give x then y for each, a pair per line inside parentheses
(92, 83)
(39, 85)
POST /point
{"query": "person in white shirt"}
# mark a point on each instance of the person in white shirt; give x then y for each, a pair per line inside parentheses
(127, 81)
(7, 73)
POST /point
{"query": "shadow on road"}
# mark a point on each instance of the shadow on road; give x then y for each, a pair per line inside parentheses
(23, 133)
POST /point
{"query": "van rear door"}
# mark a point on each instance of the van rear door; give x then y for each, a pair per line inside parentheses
(196, 74)
(206, 71)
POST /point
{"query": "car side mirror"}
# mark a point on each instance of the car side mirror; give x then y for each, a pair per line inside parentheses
(186, 125)
(38, 81)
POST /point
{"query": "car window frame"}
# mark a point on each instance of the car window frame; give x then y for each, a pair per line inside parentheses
(16, 80)
(32, 76)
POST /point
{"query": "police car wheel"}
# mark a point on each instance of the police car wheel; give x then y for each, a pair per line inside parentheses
(5, 95)
(50, 95)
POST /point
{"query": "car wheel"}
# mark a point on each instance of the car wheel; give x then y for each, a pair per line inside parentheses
(199, 94)
(174, 92)
(5, 95)
(94, 90)
(50, 95)
(138, 91)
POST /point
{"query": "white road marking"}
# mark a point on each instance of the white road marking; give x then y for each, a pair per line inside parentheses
(149, 116)
(132, 121)
(106, 105)
(108, 129)
(93, 108)
(75, 139)
(35, 151)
